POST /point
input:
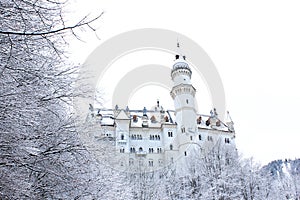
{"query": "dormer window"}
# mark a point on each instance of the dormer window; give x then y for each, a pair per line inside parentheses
(207, 122)
(153, 119)
(135, 118)
(199, 120)
(166, 119)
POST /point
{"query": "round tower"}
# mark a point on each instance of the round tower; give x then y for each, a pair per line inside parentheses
(183, 94)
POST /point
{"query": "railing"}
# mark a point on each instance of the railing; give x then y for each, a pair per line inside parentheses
(141, 153)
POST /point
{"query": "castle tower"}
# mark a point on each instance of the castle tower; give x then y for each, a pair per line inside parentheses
(183, 94)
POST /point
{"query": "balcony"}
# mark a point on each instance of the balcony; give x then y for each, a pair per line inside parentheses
(141, 153)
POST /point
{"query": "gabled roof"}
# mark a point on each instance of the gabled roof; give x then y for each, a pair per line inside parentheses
(122, 116)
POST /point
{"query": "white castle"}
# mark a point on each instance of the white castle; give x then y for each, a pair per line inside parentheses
(157, 137)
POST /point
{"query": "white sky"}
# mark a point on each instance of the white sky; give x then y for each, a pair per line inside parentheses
(255, 46)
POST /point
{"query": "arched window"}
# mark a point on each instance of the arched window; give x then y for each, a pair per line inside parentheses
(183, 129)
(171, 147)
(185, 153)
(187, 101)
(122, 137)
(140, 149)
(150, 163)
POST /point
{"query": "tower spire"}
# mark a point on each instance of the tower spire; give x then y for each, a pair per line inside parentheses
(179, 51)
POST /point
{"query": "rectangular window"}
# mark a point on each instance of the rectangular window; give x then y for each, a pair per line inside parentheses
(227, 141)
(150, 163)
(210, 138)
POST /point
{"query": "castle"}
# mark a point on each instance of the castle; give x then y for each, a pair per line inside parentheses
(154, 138)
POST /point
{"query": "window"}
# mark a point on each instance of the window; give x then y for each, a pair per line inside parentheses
(132, 150)
(141, 163)
(140, 149)
(187, 101)
(150, 163)
(159, 150)
(160, 162)
(185, 153)
(154, 137)
(200, 138)
(191, 137)
(170, 134)
(131, 162)
(172, 160)
(122, 137)
(151, 150)
(183, 129)
(122, 150)
(227, 141)
(171, 147)
(210, 138)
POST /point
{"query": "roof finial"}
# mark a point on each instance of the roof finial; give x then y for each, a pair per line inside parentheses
(179, 51)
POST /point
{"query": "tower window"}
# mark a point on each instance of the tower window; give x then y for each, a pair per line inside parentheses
(122, 137)
(140, 149)
(183, 129)
(170, 134)
(171, 147)
(191, 137)
(187, 101)
(210, 138)
(185, 153)
(227, 141)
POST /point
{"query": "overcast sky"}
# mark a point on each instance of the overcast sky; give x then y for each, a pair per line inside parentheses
(255, 45)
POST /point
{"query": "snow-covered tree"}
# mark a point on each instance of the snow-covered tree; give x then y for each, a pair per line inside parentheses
(41, 156)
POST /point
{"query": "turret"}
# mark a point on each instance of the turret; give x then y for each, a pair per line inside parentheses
(183, 94)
